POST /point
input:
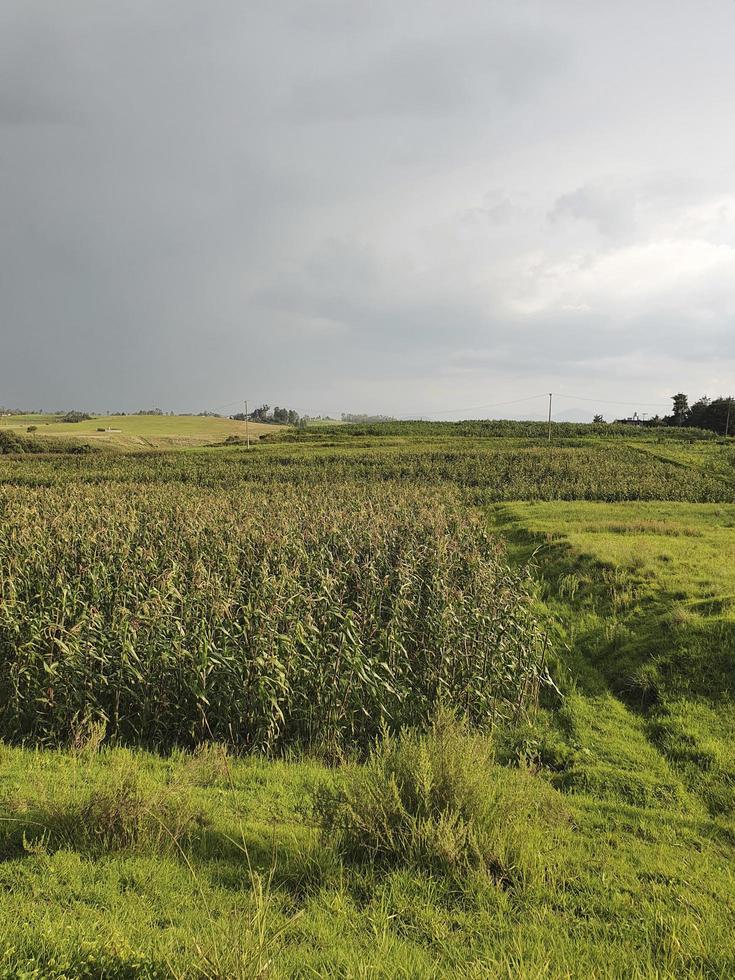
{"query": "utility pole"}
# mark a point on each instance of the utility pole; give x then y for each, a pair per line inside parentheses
(247, 429)
(727, 420)
(550, 397)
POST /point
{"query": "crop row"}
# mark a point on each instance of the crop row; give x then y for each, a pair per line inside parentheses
(492, 473)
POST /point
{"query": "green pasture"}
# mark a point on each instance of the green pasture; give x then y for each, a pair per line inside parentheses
(644, 595)
(138, 431)
(246, 885)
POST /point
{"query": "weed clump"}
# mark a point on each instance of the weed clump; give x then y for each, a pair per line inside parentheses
(121, 814)
(440, 802)
(208, 765)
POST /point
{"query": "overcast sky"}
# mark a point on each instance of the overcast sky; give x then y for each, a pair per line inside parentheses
(404, 207)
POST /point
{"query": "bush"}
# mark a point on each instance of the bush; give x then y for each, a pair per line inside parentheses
(13, 442)
(440, 802)
(75, 417)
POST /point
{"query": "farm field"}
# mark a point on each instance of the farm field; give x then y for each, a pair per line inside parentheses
(130, 432)
(370, 703)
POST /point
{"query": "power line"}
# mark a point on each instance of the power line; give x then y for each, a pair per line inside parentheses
(237, 401)
(543, 394)
(477, 408)
(605, 401)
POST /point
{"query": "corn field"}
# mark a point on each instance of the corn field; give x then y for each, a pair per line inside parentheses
(488, 472)
(262, 616)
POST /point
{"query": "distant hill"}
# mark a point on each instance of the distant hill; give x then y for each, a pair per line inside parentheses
(137, 431)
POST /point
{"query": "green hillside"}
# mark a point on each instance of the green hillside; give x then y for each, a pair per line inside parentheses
(138, 431)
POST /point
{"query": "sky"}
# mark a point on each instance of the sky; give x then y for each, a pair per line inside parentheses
(423, 209)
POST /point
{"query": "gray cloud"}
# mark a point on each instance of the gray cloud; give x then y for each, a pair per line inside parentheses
(611, 213)
(389, 207)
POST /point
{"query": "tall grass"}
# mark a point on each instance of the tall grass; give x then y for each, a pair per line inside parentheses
(259, 618)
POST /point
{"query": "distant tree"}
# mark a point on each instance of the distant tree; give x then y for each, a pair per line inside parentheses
(716, 414)
(261, 414)
(276, 416)
(680, 413)
(75, 417)
(598, 420)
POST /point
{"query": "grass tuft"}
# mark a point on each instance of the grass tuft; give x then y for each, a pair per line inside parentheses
(121, 814)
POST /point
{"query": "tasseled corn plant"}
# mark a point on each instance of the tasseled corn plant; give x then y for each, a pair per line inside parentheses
(260, 617)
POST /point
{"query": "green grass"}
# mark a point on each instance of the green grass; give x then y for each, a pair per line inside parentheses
(617, 890)
(645, 594)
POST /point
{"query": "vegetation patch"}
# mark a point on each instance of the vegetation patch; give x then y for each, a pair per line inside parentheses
(441, 803)
(280, 626)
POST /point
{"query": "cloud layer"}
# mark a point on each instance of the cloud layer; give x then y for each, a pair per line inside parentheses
(408, 208)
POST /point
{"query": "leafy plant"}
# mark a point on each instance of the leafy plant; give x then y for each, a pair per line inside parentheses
(440, 802)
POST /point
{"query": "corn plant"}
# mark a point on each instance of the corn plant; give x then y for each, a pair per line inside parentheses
(258, 617)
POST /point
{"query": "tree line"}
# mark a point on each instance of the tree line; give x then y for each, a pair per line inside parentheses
(715, 414)
(273, 416)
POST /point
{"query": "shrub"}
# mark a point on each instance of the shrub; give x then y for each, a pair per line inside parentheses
(439, 802)
(13, 442)
(75, 417)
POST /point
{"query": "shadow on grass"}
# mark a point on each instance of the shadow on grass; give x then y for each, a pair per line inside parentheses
(624, 633)
(668, 661)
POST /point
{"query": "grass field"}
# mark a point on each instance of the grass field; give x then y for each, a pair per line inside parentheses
(303, 611)
(647, 592)
(138, 431)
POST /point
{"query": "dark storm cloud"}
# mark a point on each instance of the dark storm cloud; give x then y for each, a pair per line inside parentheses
(392, 207)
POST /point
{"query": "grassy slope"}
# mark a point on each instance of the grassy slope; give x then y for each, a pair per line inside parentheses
(647, 595)
(140, 431)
